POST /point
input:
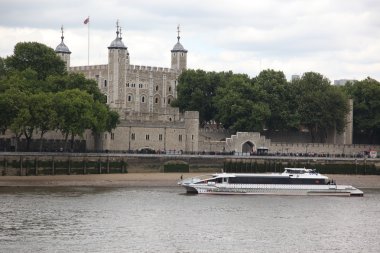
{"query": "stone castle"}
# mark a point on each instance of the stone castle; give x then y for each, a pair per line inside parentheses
(142, 96)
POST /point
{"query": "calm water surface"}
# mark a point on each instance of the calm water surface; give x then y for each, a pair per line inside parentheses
(166, 220)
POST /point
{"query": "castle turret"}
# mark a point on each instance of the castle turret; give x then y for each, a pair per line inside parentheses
(63, 51)
(179, 55)
(118, 58)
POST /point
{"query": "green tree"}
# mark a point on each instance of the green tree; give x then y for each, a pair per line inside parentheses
(25, 81)
(239, 106)
(366, 96)
(195, 92)
(279, 96)
(44, 117)
(321, 106)
(75, 81)
(36, 56)
(2, 68)
(75, 113)
(16, 112)
(104, 120)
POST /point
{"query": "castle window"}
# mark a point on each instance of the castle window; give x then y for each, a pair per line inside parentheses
(147, 137)
(105, 83)
(181, 54)
(180, 137)
(129, 99)
(140, 85)
(156, 100)
(192, 137)
(142, 99)
(127, 84)
(169, 101)
(156, 87)
(133, 136)
(160, 137)
(112, 136)
(170, 88)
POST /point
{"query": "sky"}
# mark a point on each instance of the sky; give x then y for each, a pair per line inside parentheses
(338, 38)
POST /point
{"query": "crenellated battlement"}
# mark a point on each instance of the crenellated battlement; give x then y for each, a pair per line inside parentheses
(149, 68)
(92, 67)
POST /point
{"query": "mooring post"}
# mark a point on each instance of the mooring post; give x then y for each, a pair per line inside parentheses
(21, 174)
(5, 167)
(69, 163)
(52, 166)
(35, 166)
(84, 166)
(108, 164)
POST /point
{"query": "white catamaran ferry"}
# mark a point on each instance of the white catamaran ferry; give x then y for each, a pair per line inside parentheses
(293, 181)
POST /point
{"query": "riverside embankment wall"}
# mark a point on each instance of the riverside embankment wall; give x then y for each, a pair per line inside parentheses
(86, 163)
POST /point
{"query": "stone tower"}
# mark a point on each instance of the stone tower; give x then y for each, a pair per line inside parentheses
(179, 55)
(118, 59)
(192, 130)
(63, 51)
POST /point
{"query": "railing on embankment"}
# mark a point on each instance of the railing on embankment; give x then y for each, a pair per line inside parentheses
(23, 164)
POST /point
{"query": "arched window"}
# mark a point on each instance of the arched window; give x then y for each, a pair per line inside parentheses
(129, 98)
(142, 99)
(156, 87)
(170, 88)
(169, 101)
(156, 100)
(105, 83)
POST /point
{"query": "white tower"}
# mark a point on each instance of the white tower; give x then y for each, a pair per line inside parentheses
(118, 58)
(63, 51)
(179, 55)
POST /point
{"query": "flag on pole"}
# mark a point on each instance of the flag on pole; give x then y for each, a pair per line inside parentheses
(86, 20)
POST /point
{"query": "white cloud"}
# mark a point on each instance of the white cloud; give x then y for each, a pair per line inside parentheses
(339, 38)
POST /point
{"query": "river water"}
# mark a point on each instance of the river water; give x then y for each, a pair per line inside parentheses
(86, 219)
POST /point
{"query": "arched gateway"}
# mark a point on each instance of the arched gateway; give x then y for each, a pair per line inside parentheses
(247, 147)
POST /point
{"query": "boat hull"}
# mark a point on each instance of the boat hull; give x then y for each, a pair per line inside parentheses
(306, 190)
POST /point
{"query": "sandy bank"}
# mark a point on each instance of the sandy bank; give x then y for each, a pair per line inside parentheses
(148, 179)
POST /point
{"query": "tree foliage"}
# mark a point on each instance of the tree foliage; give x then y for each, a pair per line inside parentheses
(36, 56)
(197, 87)
(366, 96)
(278, 94)
(36, 94)
(239, 105)
(267, 101)
(321, 106)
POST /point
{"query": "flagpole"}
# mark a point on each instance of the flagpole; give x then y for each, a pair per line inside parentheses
(88, 42)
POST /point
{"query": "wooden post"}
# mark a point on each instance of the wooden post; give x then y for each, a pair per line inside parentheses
(52, 166)
(5, 166)
(35, 166)
(21, 174)
(84, 166)
(69, 167)
(108, 165)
